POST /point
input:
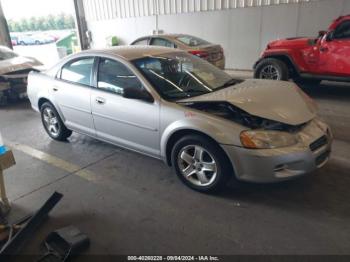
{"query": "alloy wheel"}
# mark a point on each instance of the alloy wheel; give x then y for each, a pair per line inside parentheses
(197, 165)
(51, 122)
(270, 72)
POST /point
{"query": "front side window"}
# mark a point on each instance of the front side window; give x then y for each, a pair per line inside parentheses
(162, 42)
(180, 75)
(78, 71)
(115, 77)
(342, 31)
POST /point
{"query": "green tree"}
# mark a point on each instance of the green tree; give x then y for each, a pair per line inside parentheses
(50, 22)
(24, 25)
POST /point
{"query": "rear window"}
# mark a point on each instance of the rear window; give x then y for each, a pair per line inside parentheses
(192, 40)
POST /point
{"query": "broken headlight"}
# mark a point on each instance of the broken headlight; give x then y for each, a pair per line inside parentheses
(267, 139)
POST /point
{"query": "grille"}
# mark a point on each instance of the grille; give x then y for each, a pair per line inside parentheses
(319, 143)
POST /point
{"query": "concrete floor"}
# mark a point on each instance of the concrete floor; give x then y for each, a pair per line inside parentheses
(132, 204)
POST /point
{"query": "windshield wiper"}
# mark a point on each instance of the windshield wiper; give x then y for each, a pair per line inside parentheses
(228, 83)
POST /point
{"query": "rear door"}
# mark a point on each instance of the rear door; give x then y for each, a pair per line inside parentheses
(130, 123)
(334, 54)
(72, 91)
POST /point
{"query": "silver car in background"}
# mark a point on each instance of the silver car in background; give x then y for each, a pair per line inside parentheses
(174, 106)
(213, 53)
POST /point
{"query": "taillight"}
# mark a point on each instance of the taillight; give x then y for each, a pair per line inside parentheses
(201, 54)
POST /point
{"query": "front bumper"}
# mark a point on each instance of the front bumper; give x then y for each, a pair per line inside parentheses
(274, 165)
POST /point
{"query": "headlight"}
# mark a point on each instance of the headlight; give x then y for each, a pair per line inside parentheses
(267, 139)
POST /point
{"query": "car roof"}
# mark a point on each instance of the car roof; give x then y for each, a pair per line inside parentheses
(131, 52)
(167, 36)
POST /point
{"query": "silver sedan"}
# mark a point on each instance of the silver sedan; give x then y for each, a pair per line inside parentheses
(174, 106)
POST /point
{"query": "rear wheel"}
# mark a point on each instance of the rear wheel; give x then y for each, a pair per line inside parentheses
(201, 164)
(53, 124)
(273, 69)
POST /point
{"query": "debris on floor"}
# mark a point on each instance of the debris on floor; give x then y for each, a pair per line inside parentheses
(16, 235)
(63, 243)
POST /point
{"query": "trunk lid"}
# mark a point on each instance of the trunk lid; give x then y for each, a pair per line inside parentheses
(215, 52)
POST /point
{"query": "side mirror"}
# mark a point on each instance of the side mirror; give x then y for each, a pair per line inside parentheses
(137, 93)
(321, 33)
(330, 36)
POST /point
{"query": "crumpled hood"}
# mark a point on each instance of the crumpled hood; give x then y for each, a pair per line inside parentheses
(275, 100)
(17, 64)
(297, 42)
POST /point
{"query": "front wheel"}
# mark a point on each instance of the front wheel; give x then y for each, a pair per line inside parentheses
(201, 164)
(53, 124)
(272, 69)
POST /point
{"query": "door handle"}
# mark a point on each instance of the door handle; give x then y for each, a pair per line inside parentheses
(100, 100)
(55, 88)
(324, 49)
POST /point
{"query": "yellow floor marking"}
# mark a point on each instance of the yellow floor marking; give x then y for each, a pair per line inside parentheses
(54, 161)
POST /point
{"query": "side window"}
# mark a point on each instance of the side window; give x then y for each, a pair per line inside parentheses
(141, 42)
(115, 77)
(342, 31)
(162, 42)
(78, 71)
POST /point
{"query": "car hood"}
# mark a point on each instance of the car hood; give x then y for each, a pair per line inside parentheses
(275, 100)
(17, 64)
(297, 42)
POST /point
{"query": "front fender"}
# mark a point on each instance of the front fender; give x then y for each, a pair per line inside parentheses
(220, 130)
(294, 57)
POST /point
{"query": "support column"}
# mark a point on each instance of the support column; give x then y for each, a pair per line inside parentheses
(83, 33)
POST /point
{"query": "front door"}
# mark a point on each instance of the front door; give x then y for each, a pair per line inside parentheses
(335, 53)
(130, 123)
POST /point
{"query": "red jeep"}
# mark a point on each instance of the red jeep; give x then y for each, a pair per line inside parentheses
(309, 59)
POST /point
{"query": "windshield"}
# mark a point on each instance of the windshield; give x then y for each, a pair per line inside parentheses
(6, 53)
(181, 75)
(192, 40)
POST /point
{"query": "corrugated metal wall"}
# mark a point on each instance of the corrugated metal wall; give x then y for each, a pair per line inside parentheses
(96, 10)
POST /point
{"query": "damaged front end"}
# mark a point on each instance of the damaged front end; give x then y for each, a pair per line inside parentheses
(230, 112)
(13, 85)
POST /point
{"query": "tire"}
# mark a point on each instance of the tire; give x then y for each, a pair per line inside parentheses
(273, 69)
(204, 181)
(53, 124)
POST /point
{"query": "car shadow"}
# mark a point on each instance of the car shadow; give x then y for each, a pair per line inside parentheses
(328, 90)
(323, 191)
(21, 104)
